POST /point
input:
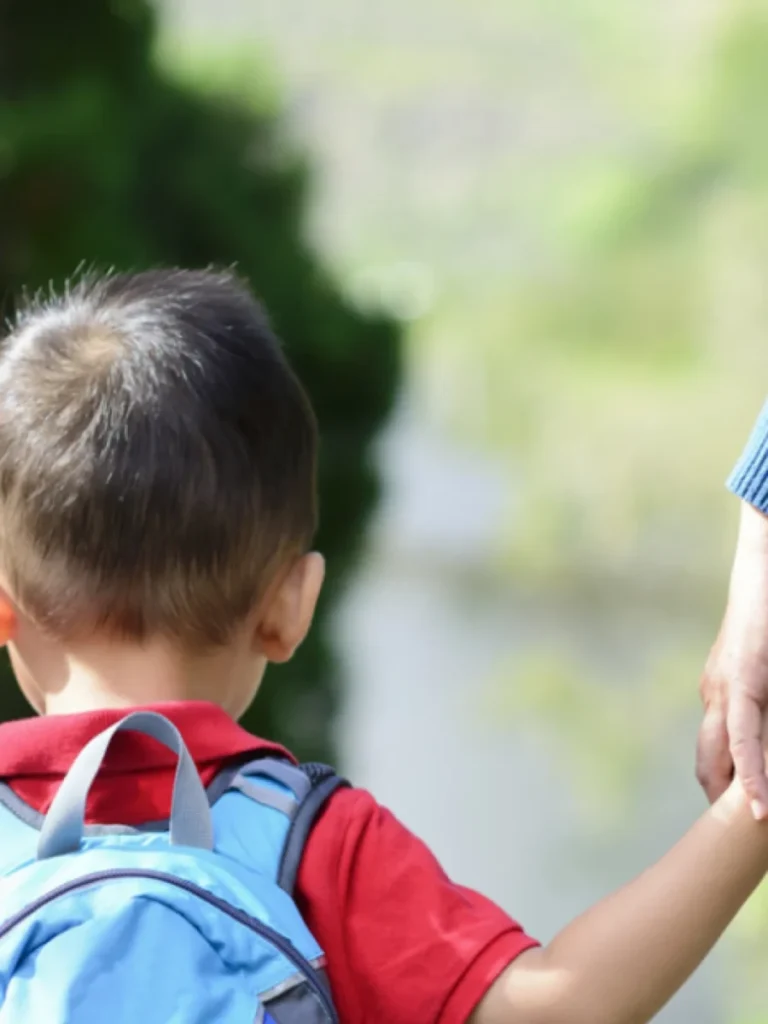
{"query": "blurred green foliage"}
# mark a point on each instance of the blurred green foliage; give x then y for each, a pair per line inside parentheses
(109, 160)
(622, 368)
(649, 327)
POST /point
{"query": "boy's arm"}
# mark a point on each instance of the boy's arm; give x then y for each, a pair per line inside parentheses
(621, 961)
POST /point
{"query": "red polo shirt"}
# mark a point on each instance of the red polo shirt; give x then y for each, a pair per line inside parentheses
(403, 942)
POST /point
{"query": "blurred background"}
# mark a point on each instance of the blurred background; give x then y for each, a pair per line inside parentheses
(517, 251)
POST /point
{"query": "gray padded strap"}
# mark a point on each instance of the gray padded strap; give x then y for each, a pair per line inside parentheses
(265, 796)
(280, 771)
(190, 823)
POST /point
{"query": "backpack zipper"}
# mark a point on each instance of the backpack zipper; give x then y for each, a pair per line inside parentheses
(285, 946)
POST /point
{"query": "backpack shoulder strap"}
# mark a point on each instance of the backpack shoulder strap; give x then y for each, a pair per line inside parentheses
(323, 784)
(310, 787)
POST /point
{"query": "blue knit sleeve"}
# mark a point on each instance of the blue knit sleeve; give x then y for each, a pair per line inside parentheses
(749, 479)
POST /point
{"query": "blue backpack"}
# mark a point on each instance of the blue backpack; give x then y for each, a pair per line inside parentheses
(190, 920)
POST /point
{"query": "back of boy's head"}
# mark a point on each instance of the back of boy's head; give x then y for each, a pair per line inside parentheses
(157, 458)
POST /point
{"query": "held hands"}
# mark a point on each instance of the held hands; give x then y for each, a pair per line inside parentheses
(734, 686)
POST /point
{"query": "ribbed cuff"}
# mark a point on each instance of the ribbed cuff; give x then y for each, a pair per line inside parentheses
(749, 479)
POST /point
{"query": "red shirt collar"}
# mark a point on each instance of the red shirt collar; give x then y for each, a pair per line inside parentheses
(48, 745)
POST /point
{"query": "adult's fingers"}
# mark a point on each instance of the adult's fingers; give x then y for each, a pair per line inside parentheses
(714, 765)
(745, 730)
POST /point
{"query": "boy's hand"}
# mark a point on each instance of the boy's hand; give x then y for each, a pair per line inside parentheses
(734, 687)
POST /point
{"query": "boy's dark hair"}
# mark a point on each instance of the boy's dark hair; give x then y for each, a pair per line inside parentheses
(157, 457)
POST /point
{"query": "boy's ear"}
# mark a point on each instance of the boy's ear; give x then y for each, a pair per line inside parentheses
(288, 613)
(7, 619)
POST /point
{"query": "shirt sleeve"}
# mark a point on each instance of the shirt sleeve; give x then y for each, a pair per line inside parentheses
(403, 943)
(749, 479)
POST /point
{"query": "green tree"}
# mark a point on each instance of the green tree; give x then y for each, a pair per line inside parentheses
(107, 159)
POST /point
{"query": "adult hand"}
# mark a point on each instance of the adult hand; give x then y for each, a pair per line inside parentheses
(734, 687)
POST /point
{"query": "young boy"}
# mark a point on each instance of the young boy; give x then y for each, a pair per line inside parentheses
(157, 507)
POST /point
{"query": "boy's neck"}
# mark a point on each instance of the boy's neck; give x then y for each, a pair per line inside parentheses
(112, 674)
(123, 685)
